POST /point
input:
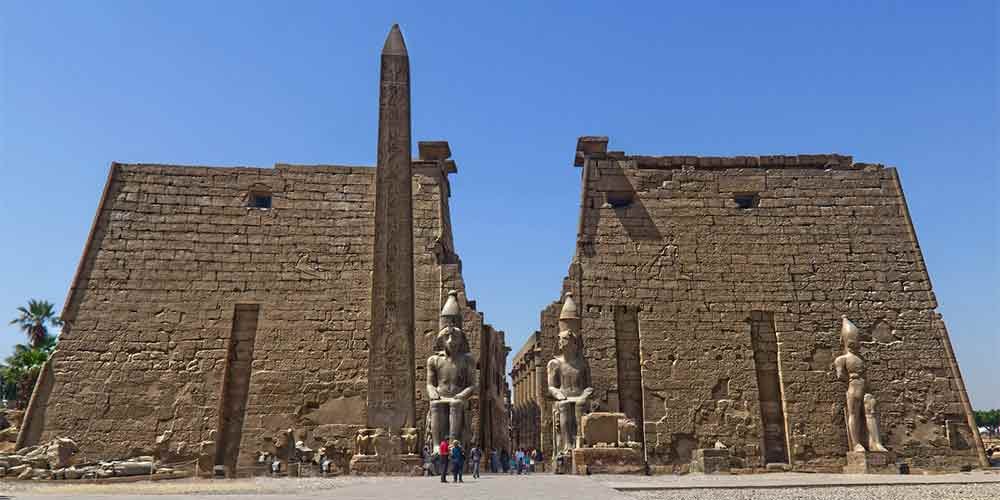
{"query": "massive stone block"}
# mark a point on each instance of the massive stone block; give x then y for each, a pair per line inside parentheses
(600, 428)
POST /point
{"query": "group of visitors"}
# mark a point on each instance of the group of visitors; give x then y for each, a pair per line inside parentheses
(437, 462)
(452, 454)
(522, 461)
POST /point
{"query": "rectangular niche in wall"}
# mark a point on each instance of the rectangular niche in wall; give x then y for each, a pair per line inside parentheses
(629, 364)
(765, 358)
(236, 385)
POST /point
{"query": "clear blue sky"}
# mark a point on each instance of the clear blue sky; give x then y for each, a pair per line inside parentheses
(911, 84)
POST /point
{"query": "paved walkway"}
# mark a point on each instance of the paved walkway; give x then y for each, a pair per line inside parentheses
(537, 486)
(790, 479)
(489, 487)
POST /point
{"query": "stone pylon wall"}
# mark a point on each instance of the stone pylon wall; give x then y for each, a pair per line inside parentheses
(438, 270)
(827, 237)
(821, 236)
(173, 251)
(172, 254)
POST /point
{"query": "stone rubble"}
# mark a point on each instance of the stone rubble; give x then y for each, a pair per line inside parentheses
(57, 460)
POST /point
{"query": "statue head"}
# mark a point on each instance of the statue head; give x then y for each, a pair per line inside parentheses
(570, 343)
(849, 335)
(451, 341)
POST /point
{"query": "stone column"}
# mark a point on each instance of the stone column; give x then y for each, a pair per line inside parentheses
(390, 355)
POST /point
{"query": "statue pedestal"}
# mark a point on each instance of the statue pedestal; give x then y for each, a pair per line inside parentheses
(870, 462)
(411, 465)
(711, 460)
(386, 457)
(562, 464)
(379, 465)
(366, 465)
(607, 461)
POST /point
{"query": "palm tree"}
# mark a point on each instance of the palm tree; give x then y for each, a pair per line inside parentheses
(32, 320)
(20, 370)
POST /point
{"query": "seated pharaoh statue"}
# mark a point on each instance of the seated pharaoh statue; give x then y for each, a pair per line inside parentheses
(450, 376)
(861, 404)
(569, 378)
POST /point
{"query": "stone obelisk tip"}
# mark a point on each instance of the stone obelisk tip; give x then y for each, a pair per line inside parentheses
(394, 43)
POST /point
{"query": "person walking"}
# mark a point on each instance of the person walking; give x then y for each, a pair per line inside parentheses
(443, 459)
(505, 460)
(428, 460)
(477, 456)
(457, 461)
(492, 461)
(519, 461)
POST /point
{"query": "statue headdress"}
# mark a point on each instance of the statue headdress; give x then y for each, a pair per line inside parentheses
(848, 331)
(451, 318)
(569, 311)
(451, 313)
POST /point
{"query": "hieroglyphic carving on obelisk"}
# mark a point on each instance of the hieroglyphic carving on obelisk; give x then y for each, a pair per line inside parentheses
(390, 346)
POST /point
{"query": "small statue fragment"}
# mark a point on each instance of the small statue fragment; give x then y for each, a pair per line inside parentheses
(408, 440)
(627, 431)
(861, 404)
(303, 453)
(569, 378)
(364, 442)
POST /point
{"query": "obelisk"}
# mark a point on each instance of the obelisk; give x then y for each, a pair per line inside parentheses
(390, 346)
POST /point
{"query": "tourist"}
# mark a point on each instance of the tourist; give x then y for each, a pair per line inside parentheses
(457, 461)
(505, 460)
(519, 461)
(530, 457)
(476, 455)
(494, 461)
(443, 459)
(428, 460)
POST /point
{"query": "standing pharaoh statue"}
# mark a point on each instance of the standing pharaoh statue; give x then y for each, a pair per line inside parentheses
(861, 404)
(569, 378)
(450, 376)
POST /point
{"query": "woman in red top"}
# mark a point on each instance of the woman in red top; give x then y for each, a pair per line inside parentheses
(443, 459)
